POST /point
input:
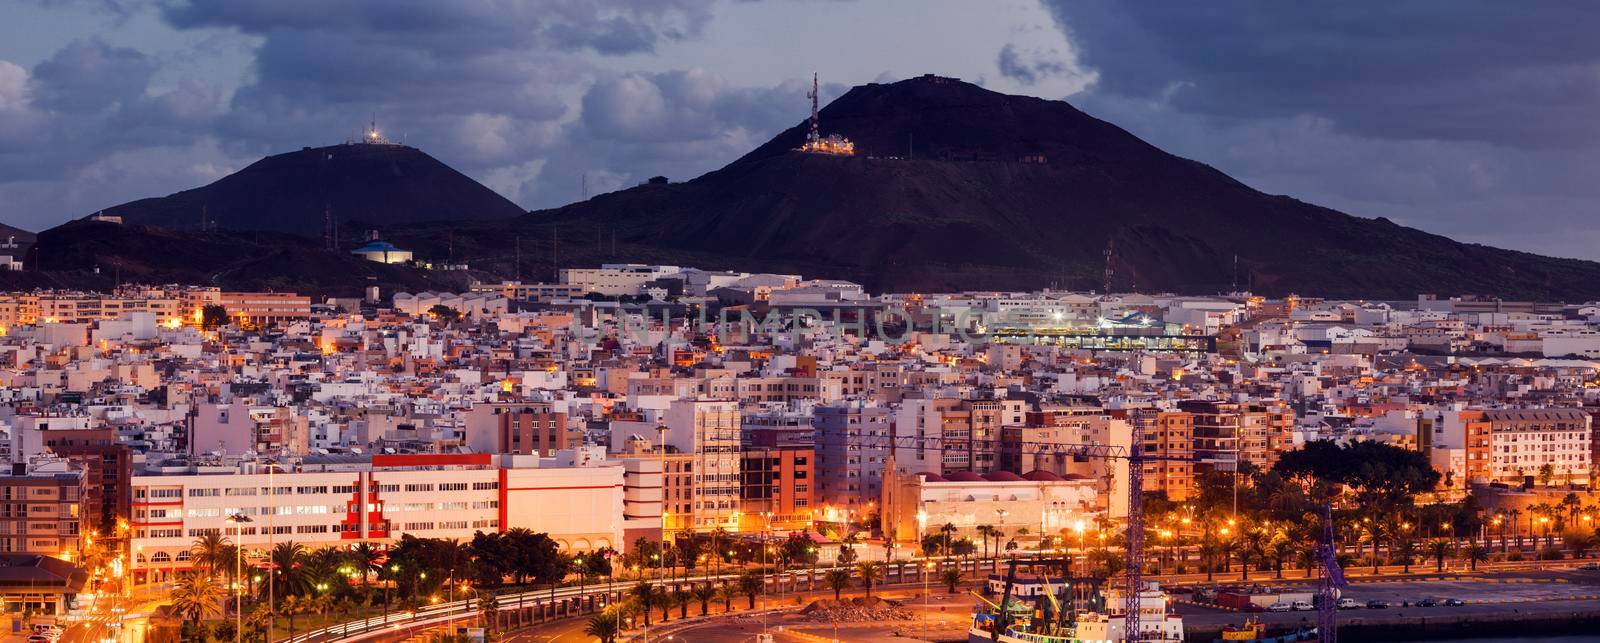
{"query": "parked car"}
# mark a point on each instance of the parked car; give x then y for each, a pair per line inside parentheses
(1589, 567)
(1279, 607)
(1349, 604)
(1454, 602)
(1303, 606)
(1377, 605)
(1428, 602)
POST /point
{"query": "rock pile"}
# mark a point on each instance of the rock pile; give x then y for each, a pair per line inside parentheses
(855, 610)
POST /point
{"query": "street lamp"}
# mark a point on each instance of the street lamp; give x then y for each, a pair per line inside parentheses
(238, 519)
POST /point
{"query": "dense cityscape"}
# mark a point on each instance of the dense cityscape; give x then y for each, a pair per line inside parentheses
(267, 465)
(717, 321)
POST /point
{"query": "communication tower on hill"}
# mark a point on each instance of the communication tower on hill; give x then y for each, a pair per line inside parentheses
(816, 143)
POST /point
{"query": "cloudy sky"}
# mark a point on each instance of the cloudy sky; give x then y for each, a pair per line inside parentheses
(1472, 119)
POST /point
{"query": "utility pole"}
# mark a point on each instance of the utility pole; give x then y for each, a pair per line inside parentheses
(517, 266)
(1111, 253)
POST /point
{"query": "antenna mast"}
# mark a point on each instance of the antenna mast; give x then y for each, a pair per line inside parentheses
(1111, 251)
(816, 131)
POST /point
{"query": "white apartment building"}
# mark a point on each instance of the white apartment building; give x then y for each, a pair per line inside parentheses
(615, 279)
(577, 498)
(1526, 443)
(708, 430)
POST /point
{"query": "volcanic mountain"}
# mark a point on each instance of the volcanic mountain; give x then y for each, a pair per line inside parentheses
(355, 182)
(957, 187)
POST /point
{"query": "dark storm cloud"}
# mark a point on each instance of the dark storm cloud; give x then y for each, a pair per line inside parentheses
(462, 28)
(1029, 68)
(90, 75)
(1501, 72)
(1462, 117)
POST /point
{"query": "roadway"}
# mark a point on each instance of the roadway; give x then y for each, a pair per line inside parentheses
(436, 614)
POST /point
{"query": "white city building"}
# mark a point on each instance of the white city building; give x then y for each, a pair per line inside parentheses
(577, 498)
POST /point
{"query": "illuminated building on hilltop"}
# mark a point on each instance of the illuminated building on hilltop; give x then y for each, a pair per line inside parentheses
(816, 143)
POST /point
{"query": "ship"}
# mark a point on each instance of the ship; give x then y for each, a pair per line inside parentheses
(1254, 631)
(1033, 609)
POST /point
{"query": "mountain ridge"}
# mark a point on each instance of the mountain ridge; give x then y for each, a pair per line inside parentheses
(372, 183)
(954, 187)
(959, 187)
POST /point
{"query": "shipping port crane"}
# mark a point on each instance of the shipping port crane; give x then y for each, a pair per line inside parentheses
(1133, 552)
(1332, 580)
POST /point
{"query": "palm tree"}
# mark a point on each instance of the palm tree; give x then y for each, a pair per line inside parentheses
(1277, 550)
(984, 532)
(751, 584)
(1438, 548)
(949, 532)
(1572, 504)
(1252, 550)
(603, 627)
(682, 598)
(292, 606)
(727, 592)
(870, 573)
(951, 578)
(718, 538)
(197, 595)
(367, 559)
(704, 593)
(212, 551)
(838, 580)
(645, 594)
(287, 558)
(1475, 554)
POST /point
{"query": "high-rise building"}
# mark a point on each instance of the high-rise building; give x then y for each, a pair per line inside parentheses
(777, 487)
(852, 443)
(41, 509)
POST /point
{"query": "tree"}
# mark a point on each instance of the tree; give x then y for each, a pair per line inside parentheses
(751, 584)
(603, 627)
(727, 592)
(705, 592)
(287, 572)
(951, 578)
(1252, 549)
(984, 532)
(367, 559)
(1475, 554)
(444, 313)
(949, 533)
(644, 594)
(223, 631)
(213, 316)
(292, 606)
(870, 572)
(213, 552)
(837, 580)
(682, 597)
(847, 555)
(196, 596)
(1438, 548)
(1382, 477)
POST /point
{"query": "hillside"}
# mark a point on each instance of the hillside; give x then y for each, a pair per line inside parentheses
(95, 255)
(360, 184)
(958, 187)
